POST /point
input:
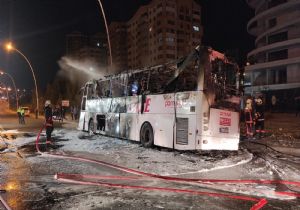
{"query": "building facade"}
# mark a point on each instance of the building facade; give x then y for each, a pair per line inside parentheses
(162, 31)
(84, 47)
(74, 42)
(118, 39)
(274, 64)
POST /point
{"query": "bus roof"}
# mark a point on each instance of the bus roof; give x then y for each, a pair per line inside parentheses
(213, 55)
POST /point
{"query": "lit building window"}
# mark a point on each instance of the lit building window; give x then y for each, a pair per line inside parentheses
(170, 39)
(196, 28)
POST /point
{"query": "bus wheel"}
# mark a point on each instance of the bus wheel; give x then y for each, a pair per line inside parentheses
(91, 127)
(147, 136)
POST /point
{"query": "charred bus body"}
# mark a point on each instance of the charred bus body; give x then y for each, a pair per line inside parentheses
(189, 104)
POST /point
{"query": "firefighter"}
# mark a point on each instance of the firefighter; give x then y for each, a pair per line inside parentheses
(48, 121)
(22, 112)
(248, 112)
(259, 117)
(19, 115)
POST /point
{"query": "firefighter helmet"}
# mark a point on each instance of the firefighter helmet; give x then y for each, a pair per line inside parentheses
(259, 101)
(249, 103)
(47, 103)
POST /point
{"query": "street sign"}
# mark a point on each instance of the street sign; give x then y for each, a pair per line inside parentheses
(65, 103)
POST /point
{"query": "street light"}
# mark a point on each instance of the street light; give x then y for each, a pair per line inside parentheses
(107, 32)
(14, 84)
(8, 89)
(10, 47)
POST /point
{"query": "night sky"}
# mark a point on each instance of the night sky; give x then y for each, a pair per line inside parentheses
(38, 29)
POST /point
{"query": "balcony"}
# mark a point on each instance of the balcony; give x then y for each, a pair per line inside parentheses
(273, 64)
(278, 45)
(277, 28)
(282, 8)
(256, 28)
(279, 37)
(278, 55)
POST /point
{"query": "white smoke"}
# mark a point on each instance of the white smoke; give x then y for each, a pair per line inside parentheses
(80, 71)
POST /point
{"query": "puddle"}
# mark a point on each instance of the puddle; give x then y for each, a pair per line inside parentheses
(30, 149)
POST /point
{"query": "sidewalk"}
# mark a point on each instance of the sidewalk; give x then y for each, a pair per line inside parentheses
(283, 132)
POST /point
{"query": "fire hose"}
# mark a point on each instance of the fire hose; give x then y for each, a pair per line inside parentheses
(76, 178)
(4, 203)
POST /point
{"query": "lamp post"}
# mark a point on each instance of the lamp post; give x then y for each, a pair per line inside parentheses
(14, 84)
(10, 47)
(107, 32)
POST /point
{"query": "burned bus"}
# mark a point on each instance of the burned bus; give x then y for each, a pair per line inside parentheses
(189, 104)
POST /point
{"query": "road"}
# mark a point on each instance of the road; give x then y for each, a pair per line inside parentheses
(28, 177)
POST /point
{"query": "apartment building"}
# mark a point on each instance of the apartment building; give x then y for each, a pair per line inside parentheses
(274, 64)
(162, 31)
(87, 47)
(118, 38)
(74, 42)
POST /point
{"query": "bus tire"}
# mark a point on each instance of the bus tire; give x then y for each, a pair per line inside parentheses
(147, 135)
(91, 127)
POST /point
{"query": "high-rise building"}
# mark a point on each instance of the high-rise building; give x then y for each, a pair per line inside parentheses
(162, 31)
(138, 39)
(118, 39)
(274, 64)
(97, 49)
(75, 41)
(84, 47)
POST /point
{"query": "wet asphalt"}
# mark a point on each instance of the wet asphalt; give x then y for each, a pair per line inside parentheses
(27, 181)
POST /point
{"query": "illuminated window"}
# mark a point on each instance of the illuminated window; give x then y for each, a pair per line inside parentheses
(170, 39)
(196, 28)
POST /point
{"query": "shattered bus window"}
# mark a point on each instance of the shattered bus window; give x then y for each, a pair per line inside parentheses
(187, 81)
(99, 89)
(159, 78)
(90, 91)
(222, 81)
(103, 88)
(119, 85)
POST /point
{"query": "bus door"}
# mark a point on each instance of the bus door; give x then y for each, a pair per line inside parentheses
(185, 126)
(129, 118)
(114, 116)
(102, 117)
(82, 120)
(84, 111)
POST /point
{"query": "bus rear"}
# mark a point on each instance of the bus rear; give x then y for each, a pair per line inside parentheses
(219, 113)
